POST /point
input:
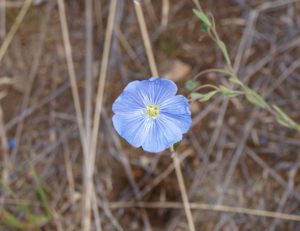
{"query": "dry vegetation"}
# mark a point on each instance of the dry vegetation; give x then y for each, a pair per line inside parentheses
(235, 154)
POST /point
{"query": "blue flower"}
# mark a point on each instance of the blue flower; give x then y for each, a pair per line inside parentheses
(148, 113)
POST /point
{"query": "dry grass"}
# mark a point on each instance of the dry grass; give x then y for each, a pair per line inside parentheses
(61, 69)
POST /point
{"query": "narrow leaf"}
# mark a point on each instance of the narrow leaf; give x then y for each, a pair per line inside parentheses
(283, 119)
(195, 96)
(229, 92)
(41, 193)
(255, 98)
(236, 81)
(9, 220)
(203, 18)
(223, 47)
(203, 97)
(204, 27)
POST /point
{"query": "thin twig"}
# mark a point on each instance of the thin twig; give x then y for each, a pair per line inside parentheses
(96, 212)
(186, 204)
(96, 121)
(209, 207)
(14, 28)
(145, 35)
(165, 13)
(68, 168)
(71, 70)
(2, 18)
(89, 92)
(88, 67)
(4, 148)
(75, 93)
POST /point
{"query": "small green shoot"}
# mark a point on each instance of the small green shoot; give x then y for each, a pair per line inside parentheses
(203, 18)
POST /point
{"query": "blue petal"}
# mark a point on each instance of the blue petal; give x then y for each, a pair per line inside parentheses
(132, 127)
(127, 103)
(161, 135)
(132, 86)
(157, 90)
(176, 109)
(131, 99)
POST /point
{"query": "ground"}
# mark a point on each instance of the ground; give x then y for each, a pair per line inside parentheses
(235, 154)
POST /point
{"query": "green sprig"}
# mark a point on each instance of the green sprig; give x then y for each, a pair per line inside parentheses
(251, 95)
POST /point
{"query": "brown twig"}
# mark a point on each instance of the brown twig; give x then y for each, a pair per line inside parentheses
(90, 160)
(208, 207)
(9, 37)
(146, 39)
(185, 199)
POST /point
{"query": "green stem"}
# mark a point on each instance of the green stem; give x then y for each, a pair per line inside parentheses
(206, 86)
(211, 70)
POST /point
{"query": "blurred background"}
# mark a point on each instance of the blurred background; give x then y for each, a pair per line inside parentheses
(235, 154)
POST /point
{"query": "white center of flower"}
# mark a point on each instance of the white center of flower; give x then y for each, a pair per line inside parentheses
(152, 111)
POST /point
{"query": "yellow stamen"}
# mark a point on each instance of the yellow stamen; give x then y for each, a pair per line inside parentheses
(152, 111)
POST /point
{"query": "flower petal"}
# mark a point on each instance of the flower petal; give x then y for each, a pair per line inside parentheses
(127, 103)
(131, 99)
(158, 90)
(132, 127)
(161, 135)
(176, 109)
(132, 86)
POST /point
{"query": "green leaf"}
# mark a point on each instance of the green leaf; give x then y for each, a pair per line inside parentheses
(282, 122)
(195, 96)
(190, 85)
(223, 47)
(283, 119)
(204, 27)
(255, 98)
(297, 127)
(41, 193)
(236, 81)
(229, 92)
(9, 220)
(203, 18)
(203, 97)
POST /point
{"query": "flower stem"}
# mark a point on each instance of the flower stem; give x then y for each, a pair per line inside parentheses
(207, 86)
(225, 72)
(184, 196)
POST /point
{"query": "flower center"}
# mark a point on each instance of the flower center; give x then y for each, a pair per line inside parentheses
(152, 111)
